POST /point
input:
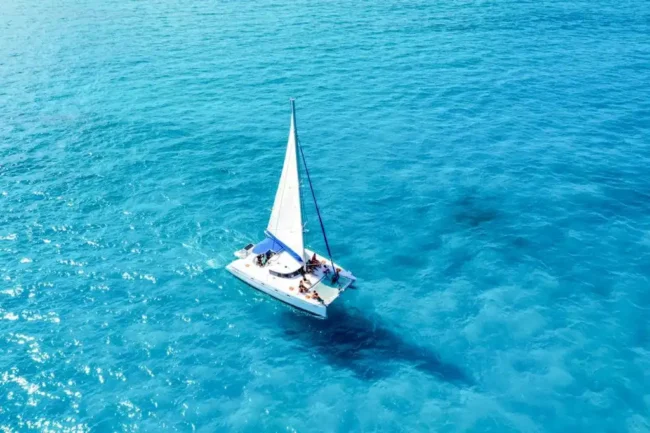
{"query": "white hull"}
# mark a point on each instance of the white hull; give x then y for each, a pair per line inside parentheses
(317, 310)
(286, 289)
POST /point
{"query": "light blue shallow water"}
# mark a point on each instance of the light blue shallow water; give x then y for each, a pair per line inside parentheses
(482, 167)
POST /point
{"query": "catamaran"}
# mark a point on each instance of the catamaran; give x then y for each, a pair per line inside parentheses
(280, 265)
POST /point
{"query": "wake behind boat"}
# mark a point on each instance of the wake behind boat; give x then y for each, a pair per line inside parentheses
(280, 265)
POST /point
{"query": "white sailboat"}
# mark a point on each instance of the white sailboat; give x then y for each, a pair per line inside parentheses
(280, 265)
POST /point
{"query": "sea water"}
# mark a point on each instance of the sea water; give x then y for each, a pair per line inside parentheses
(481, 166)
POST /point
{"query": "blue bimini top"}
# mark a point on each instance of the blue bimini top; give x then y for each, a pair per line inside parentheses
(268, 244)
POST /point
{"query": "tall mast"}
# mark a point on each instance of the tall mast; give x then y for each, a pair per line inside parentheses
(311, 186)
(292, 102)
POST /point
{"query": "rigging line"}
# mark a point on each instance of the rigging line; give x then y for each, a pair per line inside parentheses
(302, 208)
(311, 187)
(301, 189)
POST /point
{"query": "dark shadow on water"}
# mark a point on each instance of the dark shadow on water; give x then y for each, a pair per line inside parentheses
(351, 340)
(472, 212)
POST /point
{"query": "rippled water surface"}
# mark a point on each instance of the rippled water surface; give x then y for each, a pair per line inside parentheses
(482, 166)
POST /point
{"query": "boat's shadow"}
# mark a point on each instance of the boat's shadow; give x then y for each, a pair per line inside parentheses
(349, 339)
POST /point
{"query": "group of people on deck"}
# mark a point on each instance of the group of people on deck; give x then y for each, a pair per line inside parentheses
(305, 285)
(262, 259)
(313, 263)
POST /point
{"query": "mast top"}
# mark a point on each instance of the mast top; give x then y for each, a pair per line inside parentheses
(292, 102)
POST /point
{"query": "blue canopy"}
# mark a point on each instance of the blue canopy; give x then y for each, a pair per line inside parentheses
(284, 247)
(267, 244)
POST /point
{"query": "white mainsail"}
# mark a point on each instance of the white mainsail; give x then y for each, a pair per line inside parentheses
(286, 217)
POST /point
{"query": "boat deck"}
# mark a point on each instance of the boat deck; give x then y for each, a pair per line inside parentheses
(287, 289)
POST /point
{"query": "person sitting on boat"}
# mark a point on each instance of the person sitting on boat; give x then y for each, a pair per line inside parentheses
(301, 287)
(312, 263)
(317, 297)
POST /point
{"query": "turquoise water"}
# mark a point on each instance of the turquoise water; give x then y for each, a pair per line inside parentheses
(482, 167)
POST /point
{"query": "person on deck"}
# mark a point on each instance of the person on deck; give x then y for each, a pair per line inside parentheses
(312, 263)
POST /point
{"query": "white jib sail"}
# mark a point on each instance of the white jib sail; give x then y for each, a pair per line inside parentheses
(286, 217)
